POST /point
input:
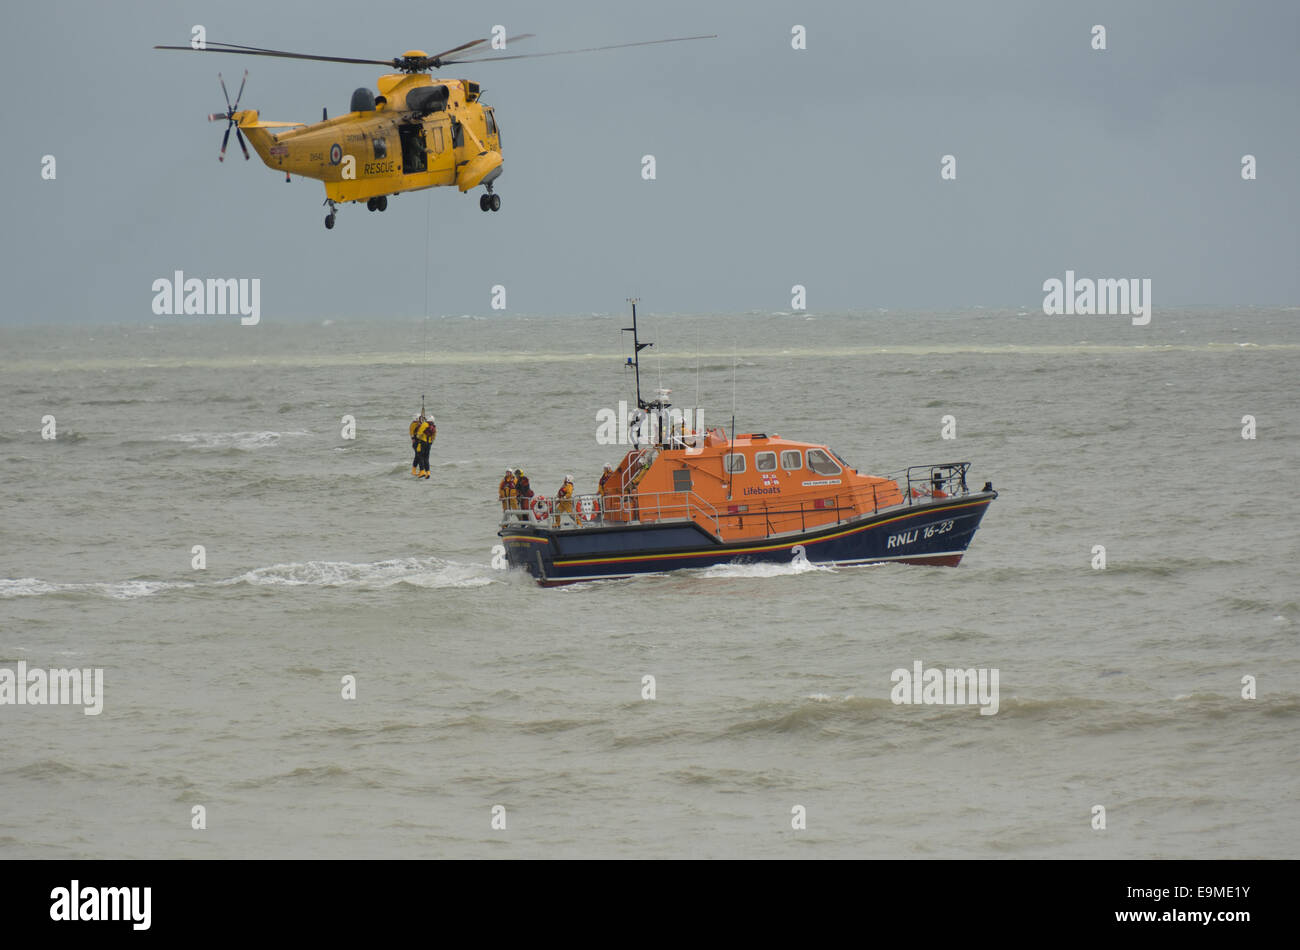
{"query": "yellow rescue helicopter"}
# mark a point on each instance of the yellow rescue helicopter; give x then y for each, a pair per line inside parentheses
(415, 133)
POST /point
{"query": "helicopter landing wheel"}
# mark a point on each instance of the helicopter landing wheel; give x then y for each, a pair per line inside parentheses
(381, 203)
(494, 202)
(329, 221)
(370, 204)
(484, 202)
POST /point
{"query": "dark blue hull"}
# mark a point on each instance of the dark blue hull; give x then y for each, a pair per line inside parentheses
(933, 532)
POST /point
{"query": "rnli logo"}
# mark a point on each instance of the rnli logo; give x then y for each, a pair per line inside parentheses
(769, 480)
(336, 153)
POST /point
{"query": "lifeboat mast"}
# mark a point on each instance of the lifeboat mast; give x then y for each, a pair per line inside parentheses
(657, 407)
(635, 360)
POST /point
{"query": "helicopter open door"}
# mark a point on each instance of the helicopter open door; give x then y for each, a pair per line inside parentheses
(414, 158)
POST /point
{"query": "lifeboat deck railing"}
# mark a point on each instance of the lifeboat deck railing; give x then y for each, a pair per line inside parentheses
(918, 484)
(941, 480)
(591, 511)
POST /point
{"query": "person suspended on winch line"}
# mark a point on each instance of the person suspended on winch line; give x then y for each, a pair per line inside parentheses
(416, 421)
(424, 436)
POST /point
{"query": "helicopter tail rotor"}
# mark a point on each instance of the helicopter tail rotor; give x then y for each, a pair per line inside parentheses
(229, 116)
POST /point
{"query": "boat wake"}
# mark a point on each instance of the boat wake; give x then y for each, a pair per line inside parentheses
(416, 571)
(764, 569)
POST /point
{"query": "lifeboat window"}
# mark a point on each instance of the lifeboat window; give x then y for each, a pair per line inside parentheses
(733, 464)
(765, 461)
(821, 463)
(792, 460)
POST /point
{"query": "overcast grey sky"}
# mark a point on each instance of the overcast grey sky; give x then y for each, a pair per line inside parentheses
(775, 166)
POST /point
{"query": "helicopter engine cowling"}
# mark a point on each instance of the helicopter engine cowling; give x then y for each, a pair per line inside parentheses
(363, 100)
(427, 99)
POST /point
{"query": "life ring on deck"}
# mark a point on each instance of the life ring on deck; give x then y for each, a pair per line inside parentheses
(588, 507)
(541, 507)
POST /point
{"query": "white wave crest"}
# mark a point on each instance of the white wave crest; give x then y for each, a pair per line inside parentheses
(117, 590)
(247, 441)
(430, 572)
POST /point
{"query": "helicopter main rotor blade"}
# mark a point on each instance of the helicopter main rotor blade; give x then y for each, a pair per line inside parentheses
(222, 80)
(589, 49)
(240, 136)
(224, 139)
(438, 57)
(457, 49)
(239, 95)
(254, 51)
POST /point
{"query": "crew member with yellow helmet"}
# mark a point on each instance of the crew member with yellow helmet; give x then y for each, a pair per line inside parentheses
(523, 492)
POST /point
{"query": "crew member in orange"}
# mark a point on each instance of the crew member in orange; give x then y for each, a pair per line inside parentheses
(523, 492)
(608, 490)
(506, 490)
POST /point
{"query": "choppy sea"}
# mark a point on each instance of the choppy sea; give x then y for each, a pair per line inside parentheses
(1120, 687)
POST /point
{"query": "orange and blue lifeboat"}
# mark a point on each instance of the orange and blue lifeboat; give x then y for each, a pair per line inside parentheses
(697, 500)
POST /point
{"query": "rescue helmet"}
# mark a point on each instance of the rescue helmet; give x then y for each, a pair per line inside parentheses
(568, 479)
(519, 472)
(608, 467)
(415, 418)
(510, 471)
(431, 417)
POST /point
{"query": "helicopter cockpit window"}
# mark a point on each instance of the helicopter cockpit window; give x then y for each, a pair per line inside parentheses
(491, 121)
(457, 134)
(821, 463)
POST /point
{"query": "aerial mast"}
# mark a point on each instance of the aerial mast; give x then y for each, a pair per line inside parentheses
(635, 359)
